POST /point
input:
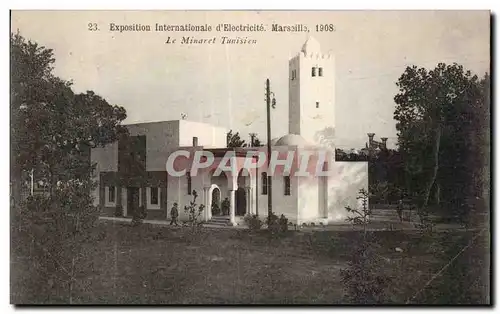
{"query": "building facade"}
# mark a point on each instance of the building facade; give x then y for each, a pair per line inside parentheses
(133, 172)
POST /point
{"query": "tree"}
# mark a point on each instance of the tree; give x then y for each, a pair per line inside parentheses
(254, 140)
(52, 132)
(362, 281)
(234, 140)
(434, 115)
(52, 128)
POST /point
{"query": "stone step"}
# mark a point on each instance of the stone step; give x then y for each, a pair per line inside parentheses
(217, 223)
(219, 220)
(215, 218)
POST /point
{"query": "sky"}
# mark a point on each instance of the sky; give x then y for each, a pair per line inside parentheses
(225, 84)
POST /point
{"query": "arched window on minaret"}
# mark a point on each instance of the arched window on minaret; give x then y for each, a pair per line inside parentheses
(320, 72)
(313, 71)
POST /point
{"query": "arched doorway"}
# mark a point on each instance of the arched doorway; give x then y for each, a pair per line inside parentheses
(216, 202)
(243, 193)
(241, 202)
(216, 194)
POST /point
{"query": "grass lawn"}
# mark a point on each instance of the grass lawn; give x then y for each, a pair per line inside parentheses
(158, 265)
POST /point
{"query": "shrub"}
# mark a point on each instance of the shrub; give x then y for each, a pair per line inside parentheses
(119, 211)
(283, 223)
(425, 225)
(55, 235)
(361, 279)
(362, 215)
(253, 222)
(272, 223)
(379, 192)
(194, 212)
(277, 224)
(38, 203)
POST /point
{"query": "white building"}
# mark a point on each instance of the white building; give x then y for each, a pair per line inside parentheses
(133, 173)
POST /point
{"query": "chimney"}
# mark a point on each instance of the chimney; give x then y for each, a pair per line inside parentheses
(195, 141)
(370, 139)
(384, 142)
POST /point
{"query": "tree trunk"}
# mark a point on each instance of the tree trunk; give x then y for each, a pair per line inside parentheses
(438, 193)
(432, 179)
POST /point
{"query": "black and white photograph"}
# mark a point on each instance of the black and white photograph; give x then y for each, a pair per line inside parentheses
(257, 157)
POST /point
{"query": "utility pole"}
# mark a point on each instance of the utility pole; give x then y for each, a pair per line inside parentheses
(32, 182)
(269, 103)
(252, 139)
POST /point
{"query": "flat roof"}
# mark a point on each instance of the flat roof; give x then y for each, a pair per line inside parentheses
(238, 151)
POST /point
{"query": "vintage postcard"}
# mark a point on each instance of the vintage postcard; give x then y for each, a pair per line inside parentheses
(250, 157)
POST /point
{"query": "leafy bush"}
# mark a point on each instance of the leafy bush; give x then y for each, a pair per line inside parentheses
(119, 211)
(283, 223)
(277, 224)
(54, 237)
(361, 279)
(379, 192)
(38, 203)
(385, 193)
(425, 224)
(194, 212)
(253, 222)
(272, 223)
(362, 215)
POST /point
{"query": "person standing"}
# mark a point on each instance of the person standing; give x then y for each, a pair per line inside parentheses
(400, 208)
(174, 214)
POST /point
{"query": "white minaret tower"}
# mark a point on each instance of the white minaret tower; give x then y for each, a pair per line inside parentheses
(312, 94)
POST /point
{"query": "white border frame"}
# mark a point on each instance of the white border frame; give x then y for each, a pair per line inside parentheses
(199, 5)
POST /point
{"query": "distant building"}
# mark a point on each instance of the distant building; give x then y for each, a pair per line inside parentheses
(373, 146)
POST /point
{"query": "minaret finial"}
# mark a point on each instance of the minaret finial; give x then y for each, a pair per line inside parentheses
(311, 46)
